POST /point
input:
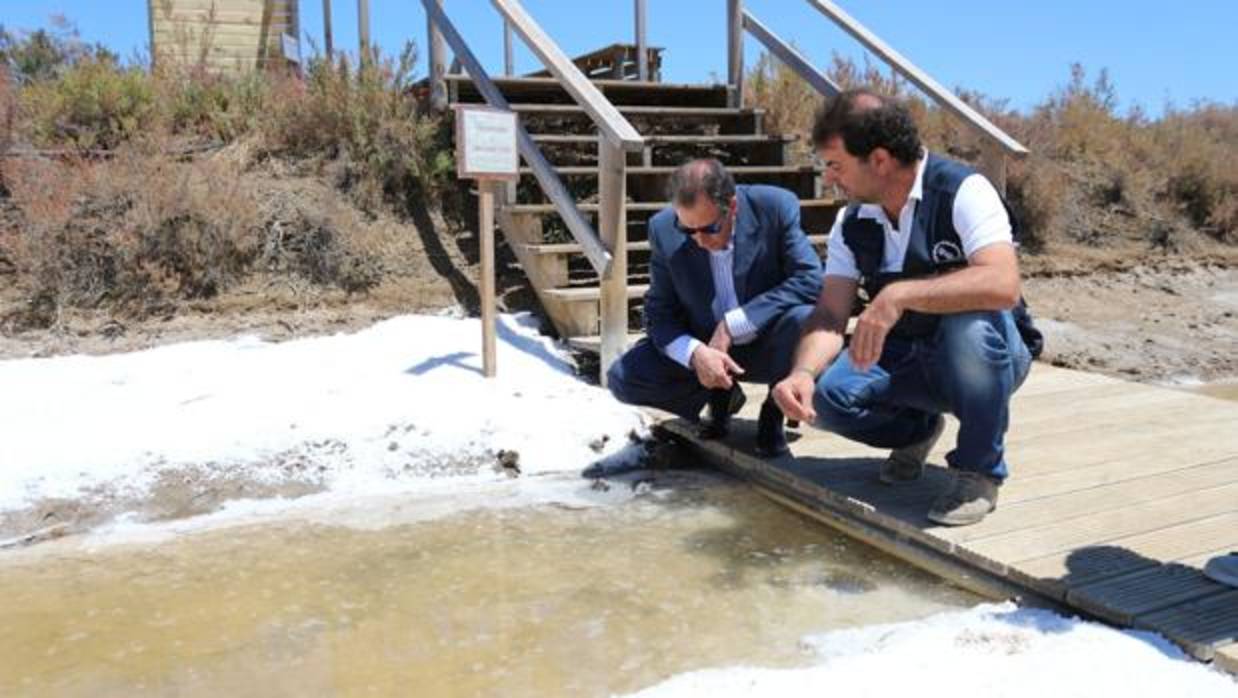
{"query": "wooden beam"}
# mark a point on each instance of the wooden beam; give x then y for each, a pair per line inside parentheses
(509, 56)
(438, 61)
(612, 224)
(546, 176)
(485, 199)
(791, 57)
(735, 52)
(327, 38)
(993, 165)
(945, 98)
(586, 94)
(642, 53)
(363, 28)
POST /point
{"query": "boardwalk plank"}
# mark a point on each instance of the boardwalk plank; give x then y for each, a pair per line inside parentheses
(1119, 494)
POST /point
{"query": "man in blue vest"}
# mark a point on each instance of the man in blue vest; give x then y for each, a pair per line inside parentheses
(732, 279)
(930, 242)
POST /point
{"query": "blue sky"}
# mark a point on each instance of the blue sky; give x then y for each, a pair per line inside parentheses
(1021, 51)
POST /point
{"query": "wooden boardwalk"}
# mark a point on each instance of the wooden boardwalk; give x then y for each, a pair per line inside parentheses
(1119, 493)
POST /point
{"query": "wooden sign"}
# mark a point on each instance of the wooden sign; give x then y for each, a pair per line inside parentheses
(486, 151)
(291, 47)
(486, 143)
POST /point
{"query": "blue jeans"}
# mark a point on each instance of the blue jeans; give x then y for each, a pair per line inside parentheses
(970, 367)
(646, 376)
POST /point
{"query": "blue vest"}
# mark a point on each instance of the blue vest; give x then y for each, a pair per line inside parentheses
(934, 247)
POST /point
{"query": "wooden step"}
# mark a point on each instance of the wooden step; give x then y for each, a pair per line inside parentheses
(593, 342)
(637, 110)
(656, 139)
(664, 170)
(642, 206)
(619, 92)
(591, 293)
(563, 248)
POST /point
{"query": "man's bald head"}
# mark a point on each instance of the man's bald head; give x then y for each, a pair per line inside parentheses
(865, 120)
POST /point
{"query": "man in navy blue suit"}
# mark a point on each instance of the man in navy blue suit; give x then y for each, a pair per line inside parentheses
(733, 279)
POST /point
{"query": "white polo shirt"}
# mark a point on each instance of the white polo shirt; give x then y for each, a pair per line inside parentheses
(979, 217)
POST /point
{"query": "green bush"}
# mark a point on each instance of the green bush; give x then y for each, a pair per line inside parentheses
(367, 116)
(94, 104)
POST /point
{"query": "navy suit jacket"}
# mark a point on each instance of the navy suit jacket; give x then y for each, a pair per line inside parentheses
(775, 268)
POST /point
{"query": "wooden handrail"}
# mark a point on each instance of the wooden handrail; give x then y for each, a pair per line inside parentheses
(945, 98)
(595, 104)
(591, 245)
(790, 56)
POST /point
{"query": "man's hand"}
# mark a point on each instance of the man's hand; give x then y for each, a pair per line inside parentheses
(794, 396)
(722, 337)
(714, 368)
(872, 327)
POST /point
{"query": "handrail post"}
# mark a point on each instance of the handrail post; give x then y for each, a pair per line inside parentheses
(993, 165)
(438, 63)
(735, 52)
(509, 57)
(328, 40)
(363, 28)
(642, 55)
(612, 228)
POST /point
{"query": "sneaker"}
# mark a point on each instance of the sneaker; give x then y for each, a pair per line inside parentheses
(1223, 569)
(722, 404)
(907, 463)
(970, 498)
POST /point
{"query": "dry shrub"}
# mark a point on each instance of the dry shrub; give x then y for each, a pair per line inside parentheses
(126, 223)
(1094, 178)
(308, 242)
(368, 118)
(139, 232)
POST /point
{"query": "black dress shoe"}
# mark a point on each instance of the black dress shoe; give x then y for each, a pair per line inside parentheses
(771, 439)
(722, 404)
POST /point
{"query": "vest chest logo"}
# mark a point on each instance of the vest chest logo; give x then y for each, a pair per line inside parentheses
(946, 251)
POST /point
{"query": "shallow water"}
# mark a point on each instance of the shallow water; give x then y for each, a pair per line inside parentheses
(1225, 391)
(534, 601)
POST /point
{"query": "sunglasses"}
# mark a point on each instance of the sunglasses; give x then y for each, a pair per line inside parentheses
(711, 229)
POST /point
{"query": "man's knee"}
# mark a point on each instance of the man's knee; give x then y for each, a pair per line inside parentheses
(615, 381)
(834, 402)
(973, 348)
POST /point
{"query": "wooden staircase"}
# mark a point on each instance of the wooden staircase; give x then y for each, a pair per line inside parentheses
(678, 122)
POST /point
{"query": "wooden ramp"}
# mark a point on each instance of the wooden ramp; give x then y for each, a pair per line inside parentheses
(1119, 493)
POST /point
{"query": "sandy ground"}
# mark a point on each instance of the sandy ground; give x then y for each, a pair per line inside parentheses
(1172, 324)
(1156, 325)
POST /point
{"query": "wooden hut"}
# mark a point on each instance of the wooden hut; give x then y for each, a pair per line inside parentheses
(225, 35)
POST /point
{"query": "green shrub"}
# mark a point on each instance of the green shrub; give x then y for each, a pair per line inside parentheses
(94, 104)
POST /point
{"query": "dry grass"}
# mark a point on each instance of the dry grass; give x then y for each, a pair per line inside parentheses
(1095, 180)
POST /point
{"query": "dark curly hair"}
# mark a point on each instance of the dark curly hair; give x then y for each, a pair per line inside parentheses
(865, 120)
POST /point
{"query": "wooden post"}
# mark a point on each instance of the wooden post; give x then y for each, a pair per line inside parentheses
(363, 28)
(735, 52)
(993, 165)
(438, 63)
(642, 53)
(613, 229)
(509, 57)
(485, 198)
(326, 30)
